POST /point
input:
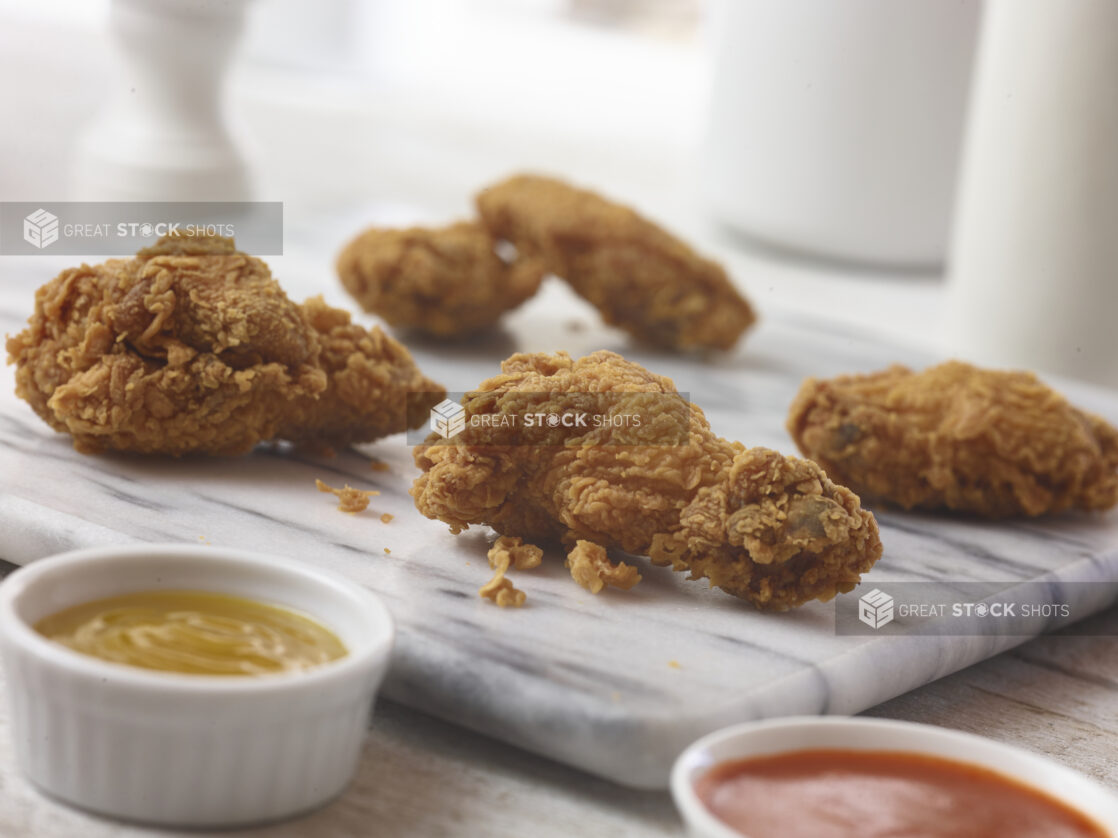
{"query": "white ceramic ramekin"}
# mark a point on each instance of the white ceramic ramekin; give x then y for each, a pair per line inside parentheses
(797, 734)
(188, 750)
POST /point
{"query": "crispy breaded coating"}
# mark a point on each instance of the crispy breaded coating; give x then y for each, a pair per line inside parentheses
(805, 536)
(508, 550)
(373, 387)
(192, 347)
(770, 529)
(349, 499)
(591, 568)
(958, 437)
(640, 277)
(447, 281)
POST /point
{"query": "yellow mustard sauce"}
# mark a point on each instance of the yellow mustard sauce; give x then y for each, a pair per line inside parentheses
(194, 632)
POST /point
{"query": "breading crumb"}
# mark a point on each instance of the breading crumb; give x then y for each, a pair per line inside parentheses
(591, 568)
(513, 551)
(674, 665)
(501, 590)
(349, 499)
(378, 465)
(386, 550)
(387, 517)
(509, 552)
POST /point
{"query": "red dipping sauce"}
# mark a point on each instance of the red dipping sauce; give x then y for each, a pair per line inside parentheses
(881, 794)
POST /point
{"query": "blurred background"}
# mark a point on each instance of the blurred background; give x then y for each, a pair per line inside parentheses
(941, 173)
(417, 101)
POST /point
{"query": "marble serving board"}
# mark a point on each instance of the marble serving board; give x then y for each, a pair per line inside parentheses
(616, 684)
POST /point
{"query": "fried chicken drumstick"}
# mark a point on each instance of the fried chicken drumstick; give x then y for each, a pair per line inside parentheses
(446, 282)
(768, 528)
(958, 437)
(640, 277)
(192, 347)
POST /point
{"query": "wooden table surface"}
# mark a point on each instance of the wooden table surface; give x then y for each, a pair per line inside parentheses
(423, 778)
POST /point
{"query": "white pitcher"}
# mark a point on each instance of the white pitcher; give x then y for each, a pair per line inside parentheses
(835, 125)
(1034, 266)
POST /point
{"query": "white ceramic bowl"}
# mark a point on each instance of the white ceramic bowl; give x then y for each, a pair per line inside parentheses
(779, 736)
(188, 750)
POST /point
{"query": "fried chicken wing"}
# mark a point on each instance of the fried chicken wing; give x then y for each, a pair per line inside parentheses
(768, 528)
(640, 277)
(958, 437)
(192, 347)
(447, 282)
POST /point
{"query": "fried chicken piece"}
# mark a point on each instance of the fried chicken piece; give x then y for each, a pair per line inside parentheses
(349, 499)
(591, 568)
(768, 528)
(957, 437)
(192, 347)
(447, 282)
(640, 277)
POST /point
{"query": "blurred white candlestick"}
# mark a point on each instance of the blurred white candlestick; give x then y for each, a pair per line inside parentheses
(1034, 267)
(162, 135)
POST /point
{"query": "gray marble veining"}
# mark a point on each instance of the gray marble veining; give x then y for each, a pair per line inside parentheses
(616, 684)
